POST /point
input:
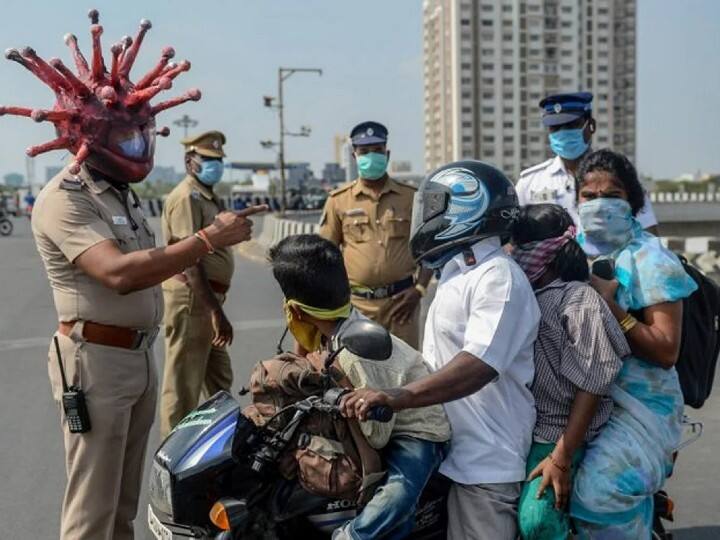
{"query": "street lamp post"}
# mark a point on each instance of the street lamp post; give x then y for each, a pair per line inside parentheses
(185, 122)
(284, 74)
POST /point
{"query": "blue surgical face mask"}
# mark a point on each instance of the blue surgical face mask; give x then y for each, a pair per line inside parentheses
(569, 143)
(372, 166)
(607, 225)
(211, 171)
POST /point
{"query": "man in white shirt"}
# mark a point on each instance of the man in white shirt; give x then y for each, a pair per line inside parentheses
(571, 126)
(479, 337)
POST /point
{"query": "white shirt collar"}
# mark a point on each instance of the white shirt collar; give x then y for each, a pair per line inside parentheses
(481, 249)
(557, 166)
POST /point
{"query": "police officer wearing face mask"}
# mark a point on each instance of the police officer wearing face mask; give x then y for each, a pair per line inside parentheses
(197, 332)
(369, 219)
(568, 118)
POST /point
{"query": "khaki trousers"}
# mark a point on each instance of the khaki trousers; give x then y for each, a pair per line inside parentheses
(379, 311)
(194, 369)
(104, 466)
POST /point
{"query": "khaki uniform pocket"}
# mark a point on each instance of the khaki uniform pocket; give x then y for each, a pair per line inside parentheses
(398, 228)
(356, 228)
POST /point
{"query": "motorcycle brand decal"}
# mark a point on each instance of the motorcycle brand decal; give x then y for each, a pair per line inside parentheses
(195, 418)
(469, 199)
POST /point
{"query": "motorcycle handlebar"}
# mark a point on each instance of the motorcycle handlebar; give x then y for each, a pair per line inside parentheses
(379, 413)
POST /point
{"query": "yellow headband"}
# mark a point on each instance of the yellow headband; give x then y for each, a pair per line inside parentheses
(323, 314)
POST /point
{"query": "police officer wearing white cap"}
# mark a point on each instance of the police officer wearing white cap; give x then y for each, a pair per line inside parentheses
(571, 126)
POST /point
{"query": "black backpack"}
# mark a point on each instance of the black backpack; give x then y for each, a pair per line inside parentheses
(700, 344)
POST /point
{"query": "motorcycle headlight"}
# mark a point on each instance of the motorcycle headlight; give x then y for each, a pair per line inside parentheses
(161, 489)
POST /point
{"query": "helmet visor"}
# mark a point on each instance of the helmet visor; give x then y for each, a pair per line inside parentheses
(132, 142)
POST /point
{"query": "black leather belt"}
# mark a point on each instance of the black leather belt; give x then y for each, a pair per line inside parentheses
(386, 291)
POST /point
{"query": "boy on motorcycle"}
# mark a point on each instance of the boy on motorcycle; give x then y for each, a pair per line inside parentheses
(311, 274)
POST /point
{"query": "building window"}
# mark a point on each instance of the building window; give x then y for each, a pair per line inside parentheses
(467, 139)
(508, 110)
(509, 153)
(488, 152)
(507, 81)
(507, 67)
(467, 95)
(488, 66)
(466, 80)
(488, 95)
(488, 139)
(507, 95)
(487, 7)
(488, 110)
(508, 138)
(488, 125)
(466, 110)
(487, 52)
(466, 65)
(465, 22)
(507, 8)
(508, 125)
(487, 81)
(487, 22)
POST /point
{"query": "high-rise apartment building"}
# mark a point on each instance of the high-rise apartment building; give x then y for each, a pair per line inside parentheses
(488, 63)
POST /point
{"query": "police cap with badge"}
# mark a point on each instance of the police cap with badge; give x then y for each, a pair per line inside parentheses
(208, 144)
(369, 133)
(562, 109)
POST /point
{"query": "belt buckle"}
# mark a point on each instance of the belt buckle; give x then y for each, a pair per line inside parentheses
(145, 338)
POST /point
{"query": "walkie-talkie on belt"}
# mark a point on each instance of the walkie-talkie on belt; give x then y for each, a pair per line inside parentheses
(73, 401)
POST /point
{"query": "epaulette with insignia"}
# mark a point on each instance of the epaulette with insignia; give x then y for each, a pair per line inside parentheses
(342, 188)
(537, 167)
(195, 194)
(71, 185)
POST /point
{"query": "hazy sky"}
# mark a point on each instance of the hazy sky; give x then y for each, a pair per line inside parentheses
(371, 55)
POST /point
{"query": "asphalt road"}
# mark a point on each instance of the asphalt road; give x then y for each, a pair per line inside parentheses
(31, 456)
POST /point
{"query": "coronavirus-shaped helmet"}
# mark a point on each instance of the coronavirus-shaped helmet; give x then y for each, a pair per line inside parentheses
(101, 117)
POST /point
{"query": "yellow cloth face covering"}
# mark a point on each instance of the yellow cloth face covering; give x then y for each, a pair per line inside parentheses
(308, 335)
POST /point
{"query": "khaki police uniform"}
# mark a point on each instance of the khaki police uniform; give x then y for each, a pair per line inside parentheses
(373, 232)
(104, 466)
(194, 369)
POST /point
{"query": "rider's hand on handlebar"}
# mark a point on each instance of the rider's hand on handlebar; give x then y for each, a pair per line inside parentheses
(230, 228)
(357, 404)
(555, 473)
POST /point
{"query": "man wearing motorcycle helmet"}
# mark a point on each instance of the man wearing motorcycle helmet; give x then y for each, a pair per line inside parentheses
(479, 337)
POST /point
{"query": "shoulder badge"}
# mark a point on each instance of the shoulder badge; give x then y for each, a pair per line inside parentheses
(195, 194)
(71, 185)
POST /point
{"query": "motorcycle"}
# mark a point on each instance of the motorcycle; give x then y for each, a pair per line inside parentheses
(6, 226)
(215, 476)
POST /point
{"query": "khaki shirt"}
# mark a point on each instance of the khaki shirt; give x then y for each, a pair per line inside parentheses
(74, 213)
(190, 207)
(373, 233)
(404, 366)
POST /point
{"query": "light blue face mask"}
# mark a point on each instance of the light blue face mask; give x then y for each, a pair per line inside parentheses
(568, 143)
(372, 166)
(607, 225)
(211, 171)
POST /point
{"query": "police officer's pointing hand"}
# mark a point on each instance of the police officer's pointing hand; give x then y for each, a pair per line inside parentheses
(230, 228)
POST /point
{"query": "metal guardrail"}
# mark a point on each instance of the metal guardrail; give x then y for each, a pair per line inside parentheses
(660, 197)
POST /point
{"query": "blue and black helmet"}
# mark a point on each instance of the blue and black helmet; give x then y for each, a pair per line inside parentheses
(458, 205)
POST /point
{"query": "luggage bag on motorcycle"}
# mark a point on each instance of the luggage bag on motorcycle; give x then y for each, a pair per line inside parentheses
(700, 345)
(329, 455)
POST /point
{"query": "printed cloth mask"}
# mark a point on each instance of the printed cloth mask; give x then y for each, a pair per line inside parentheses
(535, 257)
(569, 143)
(372, 166)
(607, 225)
(211, 171)
(307, 334)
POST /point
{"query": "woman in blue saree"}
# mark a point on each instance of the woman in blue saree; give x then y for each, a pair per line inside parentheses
(631, 458)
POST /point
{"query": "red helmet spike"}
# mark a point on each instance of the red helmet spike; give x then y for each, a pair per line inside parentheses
(141, 96)
(116, 50)
(163, 131)
(60, 143)
(94, 16)
(80, 62)
(80, 156)
(103, 119)
(15, 111)
(77, 85)
(191, 95)
(40, 115)
(150, 76)
(129, 56)
(98, 66)
(45, 72)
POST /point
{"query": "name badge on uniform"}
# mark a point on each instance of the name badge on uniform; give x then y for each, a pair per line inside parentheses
(119, 220)
(355, 212)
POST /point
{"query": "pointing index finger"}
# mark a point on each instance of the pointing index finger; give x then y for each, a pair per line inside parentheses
(252, 210)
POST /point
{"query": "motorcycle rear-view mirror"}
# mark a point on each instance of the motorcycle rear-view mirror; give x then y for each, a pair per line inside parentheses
(364, 338)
